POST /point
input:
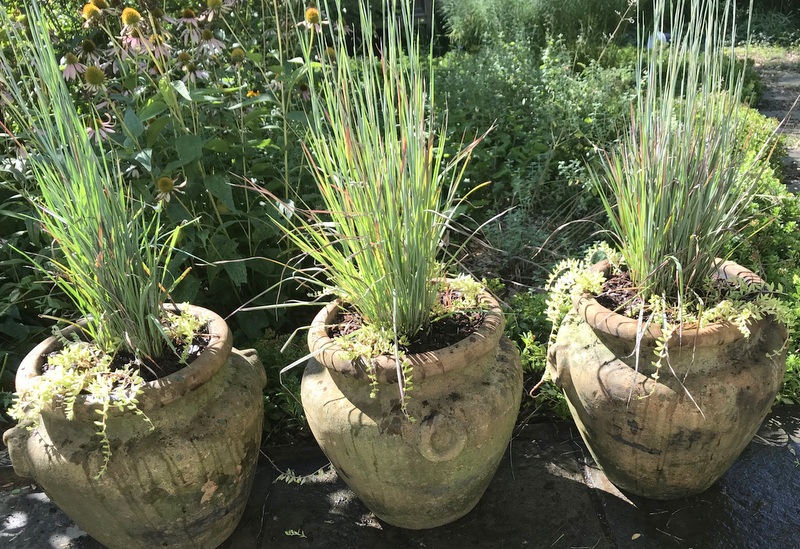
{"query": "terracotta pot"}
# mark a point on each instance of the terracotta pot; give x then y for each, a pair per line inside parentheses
(675, 437)
(183, 484)
(464, 401)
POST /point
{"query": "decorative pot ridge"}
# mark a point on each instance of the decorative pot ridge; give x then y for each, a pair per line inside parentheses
(425, 365)
(606, 321)
(156, 393)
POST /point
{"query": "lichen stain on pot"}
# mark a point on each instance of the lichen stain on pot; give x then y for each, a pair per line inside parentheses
(151, 494)
(689, 425)
(434, 470)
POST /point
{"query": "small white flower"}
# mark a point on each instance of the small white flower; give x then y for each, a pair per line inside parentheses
(286, 208)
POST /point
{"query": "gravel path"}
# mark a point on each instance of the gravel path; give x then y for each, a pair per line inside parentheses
(781, 74)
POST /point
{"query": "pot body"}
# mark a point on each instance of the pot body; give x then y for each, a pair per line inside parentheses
(183, 483)
(431, 471)
(676, 436)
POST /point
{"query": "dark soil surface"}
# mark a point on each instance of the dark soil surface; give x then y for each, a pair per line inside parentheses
(619, 294)
(162, 366)
(182, 357)
(438, 335)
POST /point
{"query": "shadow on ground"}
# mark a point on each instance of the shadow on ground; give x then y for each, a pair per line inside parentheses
(547, 493)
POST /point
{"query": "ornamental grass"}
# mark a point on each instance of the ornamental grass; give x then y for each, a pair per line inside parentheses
(676, 188)
(110, 253)
(377, 155)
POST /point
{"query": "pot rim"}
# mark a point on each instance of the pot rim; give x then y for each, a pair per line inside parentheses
(604, 320)
(424, 365)
(158, 392)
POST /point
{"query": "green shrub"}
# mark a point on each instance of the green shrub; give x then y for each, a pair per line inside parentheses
(473, 23)
(752, 87)
(771, 245)
(773, 24)
(529, 329)
(790, 389)
(23, 296)
(283, 411)
(550, 114)
(774, 250)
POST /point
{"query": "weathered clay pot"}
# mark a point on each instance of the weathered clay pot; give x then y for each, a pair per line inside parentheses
(183, 484)
(465, 400)
(675, 437)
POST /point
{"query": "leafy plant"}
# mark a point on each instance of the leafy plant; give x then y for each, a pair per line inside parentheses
(529, 331)
(283, 411)
(190, 99)
(554, 112)
(790, 389)
(472, 23)
(113, 254)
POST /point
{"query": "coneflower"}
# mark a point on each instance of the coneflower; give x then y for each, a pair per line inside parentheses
(238, 55)
(94, 78)
(90, 13)
(72, 66)
(130, 18)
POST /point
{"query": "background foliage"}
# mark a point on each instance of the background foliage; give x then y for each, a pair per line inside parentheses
(555, 98)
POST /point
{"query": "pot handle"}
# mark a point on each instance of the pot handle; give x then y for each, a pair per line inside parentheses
(251, 356)
(552, 365)
(441, 438)
(16, 440)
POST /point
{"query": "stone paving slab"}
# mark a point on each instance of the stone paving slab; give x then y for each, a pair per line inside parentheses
(535, 500)
(547, 493)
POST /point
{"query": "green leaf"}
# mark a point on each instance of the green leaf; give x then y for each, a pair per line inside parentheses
(154, 129)
(237, 272)
(260, 98)
(187, 289)
(218, 187)
(202, 96)
(152, 109)
(130, 81)
(255, 114)
(189, 148)
(14, 330)
(297, 116)
(145, 158)
(540, 148)
(217, 145)
(133, 124)
(225, 250)
(181, 89)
